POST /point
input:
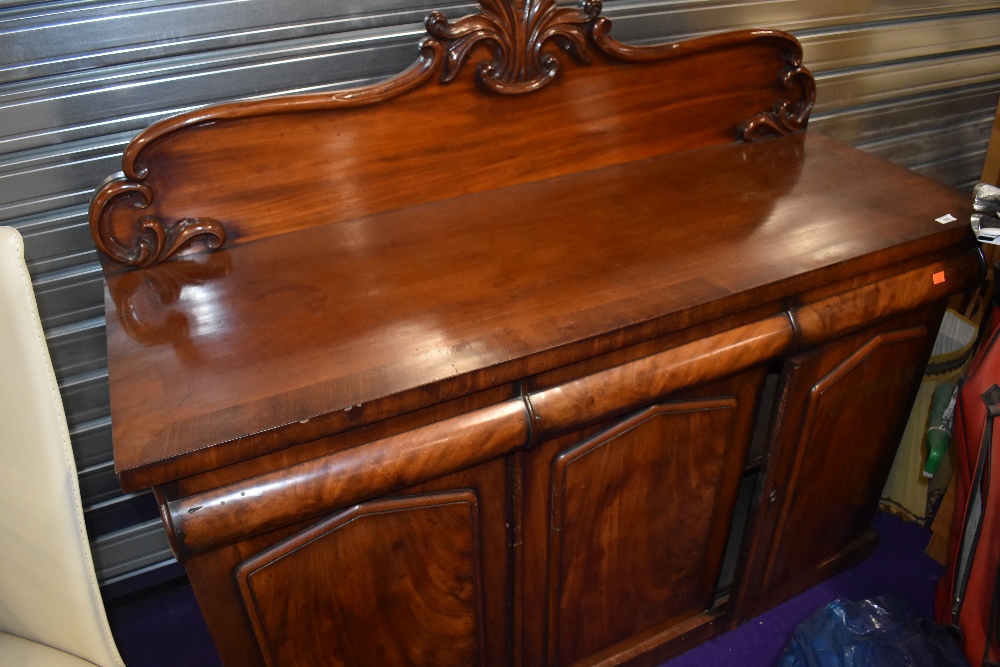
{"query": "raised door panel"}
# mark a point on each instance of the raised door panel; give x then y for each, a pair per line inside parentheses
(389, 582)
(844, 406)
(639, 517)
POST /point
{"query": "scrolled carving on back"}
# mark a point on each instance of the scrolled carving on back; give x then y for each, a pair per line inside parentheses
(788, 115)
(517, 32)
(154, 241)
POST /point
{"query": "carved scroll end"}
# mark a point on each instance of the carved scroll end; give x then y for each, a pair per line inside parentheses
(153, 241)
(788, 115)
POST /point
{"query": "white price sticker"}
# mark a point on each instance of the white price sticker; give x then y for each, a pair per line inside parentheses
(946, 218)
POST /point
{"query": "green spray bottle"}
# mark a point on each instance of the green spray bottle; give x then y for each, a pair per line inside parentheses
(939, 429)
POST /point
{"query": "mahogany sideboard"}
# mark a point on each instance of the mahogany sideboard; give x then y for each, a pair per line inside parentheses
(550, 350)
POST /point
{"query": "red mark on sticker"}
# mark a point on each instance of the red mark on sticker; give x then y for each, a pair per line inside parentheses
(938, 277)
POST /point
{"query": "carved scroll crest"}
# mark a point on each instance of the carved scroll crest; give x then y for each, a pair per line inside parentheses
(517, 32)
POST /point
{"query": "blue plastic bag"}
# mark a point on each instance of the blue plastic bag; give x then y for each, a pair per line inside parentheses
(880, 632)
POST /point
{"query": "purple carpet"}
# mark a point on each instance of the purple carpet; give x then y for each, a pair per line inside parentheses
(162, 629)
(898, 567)
(165, 628)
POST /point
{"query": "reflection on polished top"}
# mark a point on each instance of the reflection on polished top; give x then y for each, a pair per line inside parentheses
(305, 333)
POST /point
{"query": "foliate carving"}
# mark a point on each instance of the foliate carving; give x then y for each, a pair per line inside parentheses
(517, 33)
(154, 241)
(787, 115)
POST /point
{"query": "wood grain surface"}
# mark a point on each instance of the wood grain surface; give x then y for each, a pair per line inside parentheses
(364, 575)
(328, 328)
(288, 495)
(614, 545)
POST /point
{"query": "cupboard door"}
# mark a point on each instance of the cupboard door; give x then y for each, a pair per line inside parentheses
(629, 525)
(388, 582)
(843, 409)
(420, 578)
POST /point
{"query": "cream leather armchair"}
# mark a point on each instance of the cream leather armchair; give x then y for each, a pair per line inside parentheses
(51, 613)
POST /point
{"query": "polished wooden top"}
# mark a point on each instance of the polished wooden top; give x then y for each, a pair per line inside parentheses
(217, 357)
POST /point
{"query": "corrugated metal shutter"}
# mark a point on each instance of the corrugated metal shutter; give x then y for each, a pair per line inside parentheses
(915, 81)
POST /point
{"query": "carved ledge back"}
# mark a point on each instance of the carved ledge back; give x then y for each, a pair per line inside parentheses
(240, 171)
